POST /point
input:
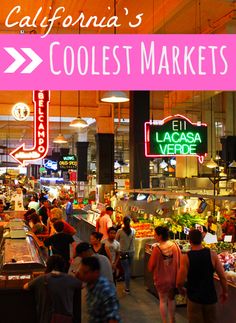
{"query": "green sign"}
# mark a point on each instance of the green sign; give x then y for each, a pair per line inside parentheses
(68, 162)
(176, 136)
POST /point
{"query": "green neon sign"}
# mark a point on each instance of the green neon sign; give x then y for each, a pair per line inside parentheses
(175, 136)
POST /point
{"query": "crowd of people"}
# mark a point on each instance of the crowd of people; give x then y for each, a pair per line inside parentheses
(108, 257)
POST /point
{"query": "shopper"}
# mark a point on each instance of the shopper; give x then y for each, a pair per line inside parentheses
(114, 247)
(105, 222)
(198, 267)
(98, 220)
(126, 237)
(34, 203)
(60, 242)
(37, 227)
(84, 250)
(55, 292)
(56, 214)
(98, 246)
(69, 208)
(3, 198)
(164, 264)
(27, 215)
(3, 216)
(102, 302)
(43, 211)
(229, 228)
(210, 225)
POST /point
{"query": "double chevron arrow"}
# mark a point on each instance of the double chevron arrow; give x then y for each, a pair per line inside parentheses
(19, 60)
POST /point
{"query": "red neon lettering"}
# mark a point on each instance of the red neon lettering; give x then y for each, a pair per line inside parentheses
(41, 118)
(41, 95)
(41, 131)
(41, 149)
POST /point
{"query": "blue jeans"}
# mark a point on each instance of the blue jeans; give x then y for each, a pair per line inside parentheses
(126, 265)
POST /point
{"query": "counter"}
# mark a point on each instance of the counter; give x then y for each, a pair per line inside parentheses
(226, 311)
(20, 258)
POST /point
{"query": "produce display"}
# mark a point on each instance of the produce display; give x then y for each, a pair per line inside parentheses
(227, 259)
(143, 230)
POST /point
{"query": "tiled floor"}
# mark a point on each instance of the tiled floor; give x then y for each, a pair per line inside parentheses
(140, 306)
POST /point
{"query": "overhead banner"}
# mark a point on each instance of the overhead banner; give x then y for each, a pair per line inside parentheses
(118, 62)
(176, 136)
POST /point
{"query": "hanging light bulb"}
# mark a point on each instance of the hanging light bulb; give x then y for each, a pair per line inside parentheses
(233, 164)
(114, 97)
(79, 122)
(211, 164)
(141, 197)
(60, 139)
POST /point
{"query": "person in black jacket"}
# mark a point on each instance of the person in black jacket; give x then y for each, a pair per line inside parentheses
(60, 242)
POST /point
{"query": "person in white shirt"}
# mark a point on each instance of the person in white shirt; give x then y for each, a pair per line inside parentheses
(105, 222)
(33, 204)
(114, 247)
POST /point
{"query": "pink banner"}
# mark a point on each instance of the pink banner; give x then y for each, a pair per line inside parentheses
(118, 62)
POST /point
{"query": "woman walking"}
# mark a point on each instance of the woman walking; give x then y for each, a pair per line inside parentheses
(164, 264)
(126, 237)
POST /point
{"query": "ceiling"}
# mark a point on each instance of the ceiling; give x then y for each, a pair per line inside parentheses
(159, 16)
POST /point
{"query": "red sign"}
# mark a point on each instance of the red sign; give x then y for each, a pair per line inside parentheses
(73, 176)
(39, 150)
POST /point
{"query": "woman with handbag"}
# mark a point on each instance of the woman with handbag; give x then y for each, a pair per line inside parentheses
(126, 237)
(164, 263)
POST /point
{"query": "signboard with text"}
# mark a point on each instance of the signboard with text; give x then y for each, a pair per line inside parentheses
(38, 151)
(176, 136)
(68, 162)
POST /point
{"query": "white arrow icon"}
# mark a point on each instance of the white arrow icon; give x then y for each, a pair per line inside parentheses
(19, 60)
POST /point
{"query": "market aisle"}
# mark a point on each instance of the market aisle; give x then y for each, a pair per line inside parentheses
(140, 306)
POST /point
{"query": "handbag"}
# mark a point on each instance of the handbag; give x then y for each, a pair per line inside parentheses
(125, 254)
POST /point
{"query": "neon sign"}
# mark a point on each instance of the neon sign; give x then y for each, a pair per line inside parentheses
(39, 150)
(68, 162)
(176, 136)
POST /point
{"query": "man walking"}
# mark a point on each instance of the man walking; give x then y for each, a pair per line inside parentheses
(102, 302)
(198, 267)
(105, 222)
(84, 250)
